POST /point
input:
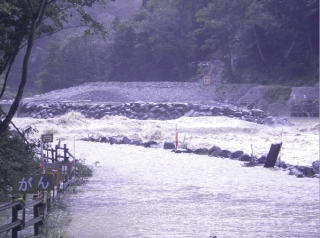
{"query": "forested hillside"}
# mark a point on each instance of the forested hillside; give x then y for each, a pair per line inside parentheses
(121, 8)
(252, 41)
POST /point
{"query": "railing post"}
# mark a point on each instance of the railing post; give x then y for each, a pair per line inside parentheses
(24, 211)
(36, 214)
(65, 150)
(56, 155)
(48, 201)
(15, 209)
(52, 155)
(15, 230)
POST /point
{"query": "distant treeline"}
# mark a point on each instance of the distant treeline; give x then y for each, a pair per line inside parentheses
(256, 41)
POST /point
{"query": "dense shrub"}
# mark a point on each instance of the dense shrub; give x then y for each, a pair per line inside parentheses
(17, 156)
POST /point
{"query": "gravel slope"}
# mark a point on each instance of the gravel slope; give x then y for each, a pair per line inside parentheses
(188, 92)
(137, 91)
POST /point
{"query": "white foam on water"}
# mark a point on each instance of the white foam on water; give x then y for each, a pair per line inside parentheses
(300, 142)
(147, 192)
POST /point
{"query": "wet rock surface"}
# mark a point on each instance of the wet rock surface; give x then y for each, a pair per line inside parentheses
(168, 100)
(241, 95)
(146, 111)
(216, 152)
(171, 100)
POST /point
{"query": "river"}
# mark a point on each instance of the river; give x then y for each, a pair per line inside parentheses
(141, 192)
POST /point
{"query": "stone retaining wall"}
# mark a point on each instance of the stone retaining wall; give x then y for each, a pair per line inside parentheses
(144, 111)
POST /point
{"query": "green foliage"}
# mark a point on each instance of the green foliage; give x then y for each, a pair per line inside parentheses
(277, 94)
(16, 157)
(23, 21)
(18, 16)
(83, 170)
(123, 51)
(73, 62)
(258, 41)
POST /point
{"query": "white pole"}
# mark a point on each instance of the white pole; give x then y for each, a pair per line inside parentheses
(41, 158)
(74, 154)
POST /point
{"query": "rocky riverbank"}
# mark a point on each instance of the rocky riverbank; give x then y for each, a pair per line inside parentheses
(171, 100)
(274, 99)
(214, 151)
(146, 111)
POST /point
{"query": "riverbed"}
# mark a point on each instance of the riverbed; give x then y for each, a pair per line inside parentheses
(148, 192)
(139, 192)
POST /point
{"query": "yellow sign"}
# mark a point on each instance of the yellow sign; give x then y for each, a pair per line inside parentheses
(56, 176)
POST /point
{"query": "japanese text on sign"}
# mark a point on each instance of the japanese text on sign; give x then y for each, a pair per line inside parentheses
(32, 183)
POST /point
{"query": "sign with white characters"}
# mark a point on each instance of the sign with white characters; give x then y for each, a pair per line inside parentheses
(31, 184)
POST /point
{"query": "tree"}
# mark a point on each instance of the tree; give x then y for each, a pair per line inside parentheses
(286, 36)
(157, 43)
(74, 61)
(16, 157)
(22, 21)
(263, 41)
(122, 55)
(222, 25)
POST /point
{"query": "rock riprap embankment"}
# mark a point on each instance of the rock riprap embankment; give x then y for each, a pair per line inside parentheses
(144, 111)
(214, 151)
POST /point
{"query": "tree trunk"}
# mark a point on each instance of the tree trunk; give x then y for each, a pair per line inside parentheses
(14, 107)
(255, 34)
(8, 71)
(36, 20)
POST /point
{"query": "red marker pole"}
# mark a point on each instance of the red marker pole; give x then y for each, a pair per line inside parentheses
(177, 140)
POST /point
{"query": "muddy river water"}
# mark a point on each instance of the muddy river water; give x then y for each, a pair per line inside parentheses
(140, 192)
(148, 192)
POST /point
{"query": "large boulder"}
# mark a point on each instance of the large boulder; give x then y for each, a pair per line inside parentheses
(224, 153)
(137, 142)
(236, 154)
(315, 167)
(245, 157)
(189, 113)
(228, 111)
(295, 171)
(257, 113)
(43, 113)
(104, 139)
(115, 140)
(214, 151)
(306, 170)
(169, 146)
(149, 143)
(126, 141)
(262, 159)
(203, 108)
(201, 151)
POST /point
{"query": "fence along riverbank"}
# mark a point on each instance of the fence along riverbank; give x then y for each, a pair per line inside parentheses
(58, 174)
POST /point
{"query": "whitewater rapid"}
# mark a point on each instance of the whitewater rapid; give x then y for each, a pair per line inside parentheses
(152, 192)
(300, 142)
